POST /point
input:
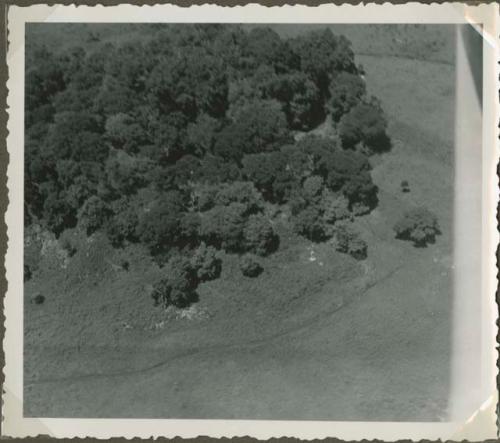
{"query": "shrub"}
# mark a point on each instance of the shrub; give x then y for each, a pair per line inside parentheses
(27, 273)
(418, 225)
(206, 262)
(249, 265)
(260, 237)
(179, 286)
(405, 186)
(38, 299)
(349, 241)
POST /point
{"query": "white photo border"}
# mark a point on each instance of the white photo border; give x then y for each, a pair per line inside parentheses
(481, 425)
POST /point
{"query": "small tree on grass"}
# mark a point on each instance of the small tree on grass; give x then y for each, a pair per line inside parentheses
(178, 287)
(418, 225)
(405, 186)
(249, 266)
(349, 241)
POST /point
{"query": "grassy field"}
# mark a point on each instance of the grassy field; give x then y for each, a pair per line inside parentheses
(353, 340)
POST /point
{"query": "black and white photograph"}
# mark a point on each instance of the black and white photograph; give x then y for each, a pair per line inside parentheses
(254, 221)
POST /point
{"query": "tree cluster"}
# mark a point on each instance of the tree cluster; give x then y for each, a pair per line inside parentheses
(177, 138)
(418, 225)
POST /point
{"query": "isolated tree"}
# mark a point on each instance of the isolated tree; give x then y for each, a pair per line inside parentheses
(179, 286)
(405, 186)
(348, 240)
(250, 266)
(418, 225)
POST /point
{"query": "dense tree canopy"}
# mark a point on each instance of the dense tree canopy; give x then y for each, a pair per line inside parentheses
(179, 137)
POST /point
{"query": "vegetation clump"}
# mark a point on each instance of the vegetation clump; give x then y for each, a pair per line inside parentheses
(180, 147)
(349, 241)
(418, 225)
(250, 266)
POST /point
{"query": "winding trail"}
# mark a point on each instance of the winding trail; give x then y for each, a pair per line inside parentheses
(310, 324)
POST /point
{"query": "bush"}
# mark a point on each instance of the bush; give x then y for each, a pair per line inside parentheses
(179, 286)
(418, 225)
(27, 273)
(206, 262)
(249, 265)
(405, 186)
(349, 241)
(38, 299)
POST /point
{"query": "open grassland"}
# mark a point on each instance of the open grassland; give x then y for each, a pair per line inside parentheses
(353, 340)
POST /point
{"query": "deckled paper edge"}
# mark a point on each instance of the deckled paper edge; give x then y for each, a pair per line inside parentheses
(12, 402)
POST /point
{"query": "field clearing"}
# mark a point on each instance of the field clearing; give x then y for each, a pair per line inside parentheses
(356, 341)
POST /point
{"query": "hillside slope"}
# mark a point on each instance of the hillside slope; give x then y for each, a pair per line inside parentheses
(354, 341)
